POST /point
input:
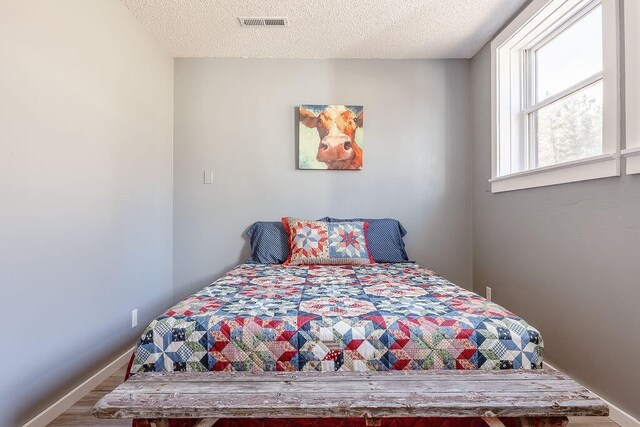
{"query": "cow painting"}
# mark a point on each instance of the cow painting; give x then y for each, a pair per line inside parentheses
(330, 137)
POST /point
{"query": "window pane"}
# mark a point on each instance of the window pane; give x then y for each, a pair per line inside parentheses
(570, 128)
(571, 56)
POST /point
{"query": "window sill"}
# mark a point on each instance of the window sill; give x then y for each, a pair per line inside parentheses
(602, 166)
(632, 160)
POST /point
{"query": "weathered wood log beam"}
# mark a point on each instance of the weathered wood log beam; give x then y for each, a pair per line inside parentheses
(526, 394)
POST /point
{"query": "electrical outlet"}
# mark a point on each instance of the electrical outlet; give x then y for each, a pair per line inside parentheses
(134, 318)
(488, 293)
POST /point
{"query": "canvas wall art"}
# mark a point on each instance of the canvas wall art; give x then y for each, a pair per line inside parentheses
(330, 137)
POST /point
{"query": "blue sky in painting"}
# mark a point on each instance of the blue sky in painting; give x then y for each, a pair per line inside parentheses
(317, 109)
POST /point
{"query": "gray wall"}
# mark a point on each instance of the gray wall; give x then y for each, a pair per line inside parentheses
(566, 258)
(236, 117)
(86, 190)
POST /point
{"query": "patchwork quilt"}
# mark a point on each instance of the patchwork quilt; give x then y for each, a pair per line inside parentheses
(268, 317)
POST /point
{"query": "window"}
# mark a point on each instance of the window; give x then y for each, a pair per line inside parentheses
(632, 85)
(555, 95)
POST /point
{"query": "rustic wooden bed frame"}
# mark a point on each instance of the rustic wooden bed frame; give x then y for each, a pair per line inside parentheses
(535, 397)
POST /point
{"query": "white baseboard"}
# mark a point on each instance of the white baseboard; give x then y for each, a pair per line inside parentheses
(616, 414)
(69, 399)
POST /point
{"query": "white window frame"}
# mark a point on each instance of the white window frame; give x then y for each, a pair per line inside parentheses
(538, 22)
(632, 85)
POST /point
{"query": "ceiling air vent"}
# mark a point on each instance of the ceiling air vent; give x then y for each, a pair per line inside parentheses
(261, 21)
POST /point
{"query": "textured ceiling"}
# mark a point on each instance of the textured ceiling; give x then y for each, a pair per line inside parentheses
(325, 28)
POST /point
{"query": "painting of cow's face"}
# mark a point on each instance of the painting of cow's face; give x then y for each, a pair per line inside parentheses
(339, 137)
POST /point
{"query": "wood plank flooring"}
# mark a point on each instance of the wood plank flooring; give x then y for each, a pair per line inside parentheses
(80, 413)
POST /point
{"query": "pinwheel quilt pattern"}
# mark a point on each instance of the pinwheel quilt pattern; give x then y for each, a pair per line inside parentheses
(270, 317)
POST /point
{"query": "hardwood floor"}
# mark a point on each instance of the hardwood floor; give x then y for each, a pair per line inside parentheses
(80, 413)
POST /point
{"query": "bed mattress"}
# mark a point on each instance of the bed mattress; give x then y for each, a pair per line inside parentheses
(262, 317)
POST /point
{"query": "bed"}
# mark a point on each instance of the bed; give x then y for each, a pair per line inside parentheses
(329, 301)
(271, 317)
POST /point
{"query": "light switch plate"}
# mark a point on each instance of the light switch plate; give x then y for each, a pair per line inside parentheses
(208, 177)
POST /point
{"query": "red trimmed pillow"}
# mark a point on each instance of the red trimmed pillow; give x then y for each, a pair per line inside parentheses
(320, 242)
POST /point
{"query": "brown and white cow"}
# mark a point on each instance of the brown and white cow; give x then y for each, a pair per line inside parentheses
(336, 125)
